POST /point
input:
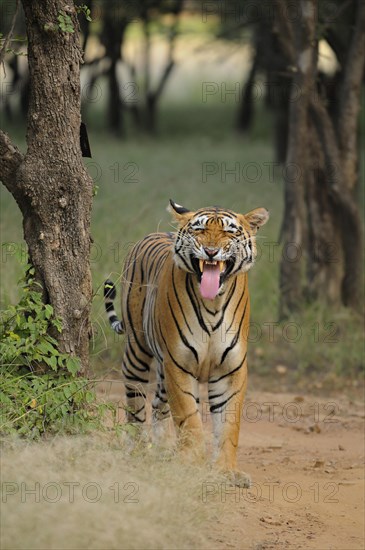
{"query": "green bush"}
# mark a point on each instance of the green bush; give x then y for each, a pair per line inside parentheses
(40, 391)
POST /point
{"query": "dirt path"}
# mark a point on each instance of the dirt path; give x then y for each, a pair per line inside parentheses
(306, 459)
(305, 455)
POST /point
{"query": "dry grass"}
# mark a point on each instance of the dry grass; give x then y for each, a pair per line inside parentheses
(94, 493)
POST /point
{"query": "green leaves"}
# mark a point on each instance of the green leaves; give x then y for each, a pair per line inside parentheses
(24, 332)
(40, 391)
(34, 404)
(65, 22)
(73, 365)
(85, 10)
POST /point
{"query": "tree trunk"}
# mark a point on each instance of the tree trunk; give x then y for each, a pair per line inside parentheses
(246, 107)
(294, 229)
(346, 216)
(112, 38)
(325, 270)
(50, 184)
(115, 115)
(323, 143)
(152, 96)
(151, 113)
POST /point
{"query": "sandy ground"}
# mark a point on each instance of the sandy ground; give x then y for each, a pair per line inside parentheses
(305, 455)
(306, 459)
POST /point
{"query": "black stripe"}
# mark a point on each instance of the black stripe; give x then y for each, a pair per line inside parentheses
(158, 265)
(133, 364)
(146, 365)
(129, 315)
(182, 337)
(152, 251)
(152, 254)
(233, 288)
(230, 347)
(217, 395)
(236, 336)
(250, 247)
(189, 267)
(163, 399)
(214, 408)
(247, 259)
(134, 394)
(235, 310)
(132, 376)
(178, 299)
(208, 310)
(173, 359)
(229, 373)
(195, 304)
(134, 414)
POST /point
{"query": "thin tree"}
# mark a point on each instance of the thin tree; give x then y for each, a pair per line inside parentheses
(49, 182)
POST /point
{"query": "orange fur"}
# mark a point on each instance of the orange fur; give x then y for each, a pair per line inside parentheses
(193, 339)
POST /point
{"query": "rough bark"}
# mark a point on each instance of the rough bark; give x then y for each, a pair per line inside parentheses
(349, 99)
(330, 174)
(294, 229)
(325, 269)
(50, 184)
(346, 216)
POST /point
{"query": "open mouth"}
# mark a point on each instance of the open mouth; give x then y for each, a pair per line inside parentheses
(211, 275)
(220, 264)
(224, 267)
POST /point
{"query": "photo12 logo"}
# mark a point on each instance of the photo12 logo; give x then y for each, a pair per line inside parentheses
(272, 491)
(69, 491)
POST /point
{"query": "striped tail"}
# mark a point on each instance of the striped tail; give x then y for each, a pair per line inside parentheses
(109, 296)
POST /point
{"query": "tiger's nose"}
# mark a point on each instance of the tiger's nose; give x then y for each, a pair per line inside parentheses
(211, 252)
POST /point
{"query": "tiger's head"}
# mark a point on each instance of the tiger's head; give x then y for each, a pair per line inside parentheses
(215, 244)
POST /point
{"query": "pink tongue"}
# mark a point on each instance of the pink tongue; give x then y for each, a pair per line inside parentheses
(209, 284)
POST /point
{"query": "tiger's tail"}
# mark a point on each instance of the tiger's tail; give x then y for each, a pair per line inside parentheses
(109, 297)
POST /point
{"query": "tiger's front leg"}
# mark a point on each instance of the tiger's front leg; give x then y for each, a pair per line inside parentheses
(183, 397)
(226, 396)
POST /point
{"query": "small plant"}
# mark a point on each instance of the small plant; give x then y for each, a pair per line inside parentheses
(85, 10)
(65, 22)
(40, 391)
(24, 332)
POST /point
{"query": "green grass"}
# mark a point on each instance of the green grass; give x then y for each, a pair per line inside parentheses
(136, 177)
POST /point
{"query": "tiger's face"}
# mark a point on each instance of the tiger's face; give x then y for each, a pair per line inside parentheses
(215, 244)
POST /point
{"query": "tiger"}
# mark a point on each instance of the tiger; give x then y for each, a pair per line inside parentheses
(185, 306)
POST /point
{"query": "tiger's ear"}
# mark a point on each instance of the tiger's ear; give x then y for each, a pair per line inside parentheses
(179, 213)
(256, 218)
